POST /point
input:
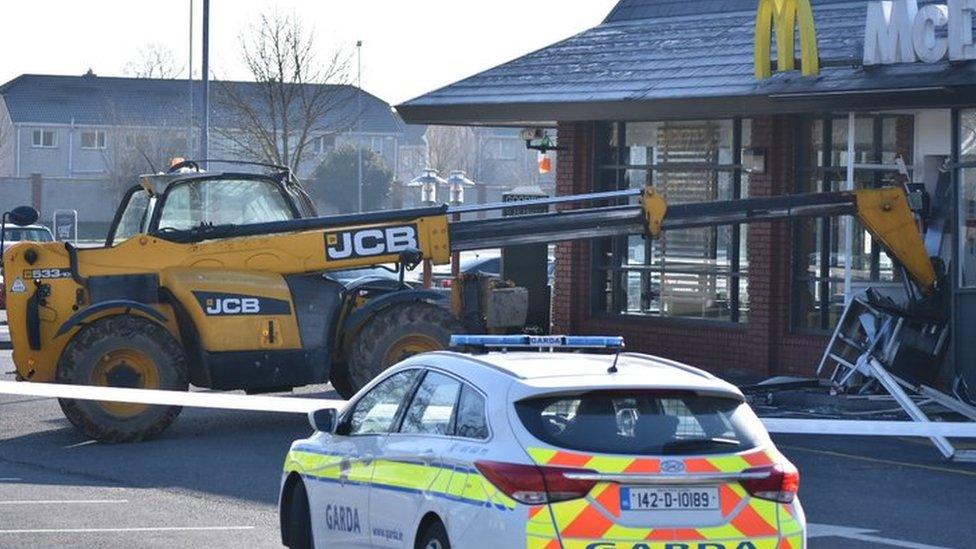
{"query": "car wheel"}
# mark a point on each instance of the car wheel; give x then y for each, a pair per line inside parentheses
(299, 519)
(434, 537)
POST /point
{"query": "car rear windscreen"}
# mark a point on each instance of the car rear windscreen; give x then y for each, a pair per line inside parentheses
(642, 423)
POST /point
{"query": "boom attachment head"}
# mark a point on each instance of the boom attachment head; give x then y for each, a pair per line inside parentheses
(655, 209)
(886, 214)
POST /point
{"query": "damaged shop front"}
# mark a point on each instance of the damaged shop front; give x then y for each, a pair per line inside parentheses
(718, 100)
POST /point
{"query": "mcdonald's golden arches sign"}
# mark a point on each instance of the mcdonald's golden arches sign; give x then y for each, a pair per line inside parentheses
(785, 16)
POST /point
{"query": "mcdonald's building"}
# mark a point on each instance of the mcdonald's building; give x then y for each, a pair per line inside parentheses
(720, 99)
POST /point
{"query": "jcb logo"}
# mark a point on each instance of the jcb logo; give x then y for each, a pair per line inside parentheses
(221, 304)
(784, 16)
(370, 242)
(234, 306)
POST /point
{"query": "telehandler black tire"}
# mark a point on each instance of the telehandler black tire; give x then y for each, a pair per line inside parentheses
(122, 351)
(339, 378)
(396, 333)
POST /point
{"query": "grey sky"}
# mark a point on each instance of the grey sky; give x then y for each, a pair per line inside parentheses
(410, 46)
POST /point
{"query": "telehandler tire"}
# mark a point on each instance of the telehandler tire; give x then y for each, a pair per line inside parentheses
(397, 333)
(339, 378)
(122, 351)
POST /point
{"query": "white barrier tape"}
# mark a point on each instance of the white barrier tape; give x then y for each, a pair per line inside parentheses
(870, 428)
(286, 405)
(220, 401)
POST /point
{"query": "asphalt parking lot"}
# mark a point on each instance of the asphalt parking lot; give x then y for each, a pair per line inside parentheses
(212, 480)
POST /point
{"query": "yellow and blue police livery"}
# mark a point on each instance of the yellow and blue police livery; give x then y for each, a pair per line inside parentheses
(504, 447)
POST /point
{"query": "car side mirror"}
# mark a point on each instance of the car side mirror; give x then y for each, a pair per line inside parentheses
(23, 216)
(323, 420)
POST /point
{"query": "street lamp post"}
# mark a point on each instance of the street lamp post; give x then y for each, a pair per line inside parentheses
(205, 127)
(427, 182)
(457, 181)
(359, 120)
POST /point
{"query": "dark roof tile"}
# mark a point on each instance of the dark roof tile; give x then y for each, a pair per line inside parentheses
(662, 51)
(96, 100)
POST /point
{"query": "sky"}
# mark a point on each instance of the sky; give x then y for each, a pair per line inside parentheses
(410, 47)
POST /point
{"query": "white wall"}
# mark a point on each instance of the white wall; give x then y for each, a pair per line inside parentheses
(933, 136)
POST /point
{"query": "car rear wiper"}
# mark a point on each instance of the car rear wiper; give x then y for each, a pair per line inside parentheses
(677, 445)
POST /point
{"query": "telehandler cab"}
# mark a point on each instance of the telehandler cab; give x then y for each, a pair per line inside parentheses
(221, 280)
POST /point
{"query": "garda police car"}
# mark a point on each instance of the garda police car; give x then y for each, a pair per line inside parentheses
(541, 450)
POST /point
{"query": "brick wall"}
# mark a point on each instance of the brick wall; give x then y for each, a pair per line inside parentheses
(762, 345)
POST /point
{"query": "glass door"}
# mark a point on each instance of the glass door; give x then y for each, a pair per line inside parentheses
(964, 302)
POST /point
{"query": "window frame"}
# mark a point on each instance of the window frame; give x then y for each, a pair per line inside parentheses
(806, 176)
(452, 435)
(161, 201)
(961, 165)
(611, 302)
(42, 132)
(325, 143)
(457, 408)
(346, 420)
(451, 422)
(101, 140)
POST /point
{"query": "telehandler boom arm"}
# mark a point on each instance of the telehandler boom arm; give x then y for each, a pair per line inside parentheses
(885, 213)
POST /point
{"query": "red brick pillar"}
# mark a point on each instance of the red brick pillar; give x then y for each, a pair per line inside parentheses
(574, 175)
(769, 245)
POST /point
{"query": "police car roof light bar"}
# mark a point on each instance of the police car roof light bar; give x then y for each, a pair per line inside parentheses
(538, 342)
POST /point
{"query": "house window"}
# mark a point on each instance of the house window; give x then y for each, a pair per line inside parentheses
(45, 139)
(324, 143)
(93, 139)
(695, 273)
(376, 144)
(819, 244)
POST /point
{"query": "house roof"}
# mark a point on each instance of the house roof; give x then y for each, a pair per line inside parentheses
(98, 100)
(677, 58)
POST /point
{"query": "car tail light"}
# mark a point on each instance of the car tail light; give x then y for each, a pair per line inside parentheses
(781, 485)
(446, 282)
(533, 484)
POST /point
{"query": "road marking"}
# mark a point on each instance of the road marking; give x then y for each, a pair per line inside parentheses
(60, 501)
(123, 530)
(80, 444)
(287, 405)
(862, 534)
(881, 461)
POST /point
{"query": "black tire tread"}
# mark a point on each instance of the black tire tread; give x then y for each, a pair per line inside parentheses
(401, 317)
(299, 518)
(120, 326)
(433, 530)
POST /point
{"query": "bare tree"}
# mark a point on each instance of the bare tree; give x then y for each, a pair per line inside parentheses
(154, 61)
(451, 148)
(131, 148)
(6, 145)
(290, 103)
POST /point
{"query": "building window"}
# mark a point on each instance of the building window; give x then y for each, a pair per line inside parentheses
(325, 143)
(376, 144)
(695, 273)
(93, 139)
(883, 143)
(967, 198)
(45, 139)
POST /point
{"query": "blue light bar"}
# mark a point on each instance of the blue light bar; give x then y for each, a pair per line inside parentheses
(538, 342)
